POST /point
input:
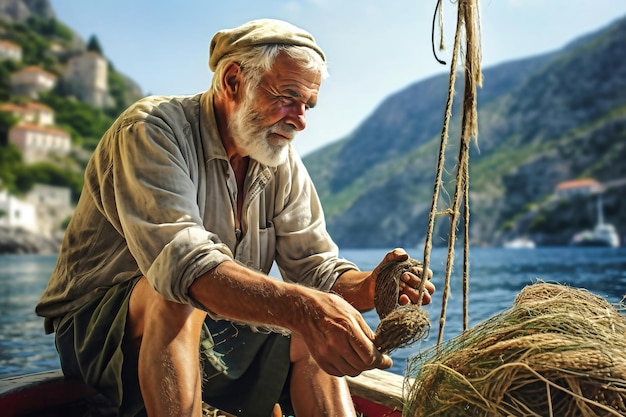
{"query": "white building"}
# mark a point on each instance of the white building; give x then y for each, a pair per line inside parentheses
(37, 142)
(87, 77)
(10, 51)
(32, 112)
(15, 213)
(32, 80)
(582, 187)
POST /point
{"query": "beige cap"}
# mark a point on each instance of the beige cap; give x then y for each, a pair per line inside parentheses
(259, 32)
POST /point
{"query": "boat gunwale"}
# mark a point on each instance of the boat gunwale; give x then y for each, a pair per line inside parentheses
(375, 393)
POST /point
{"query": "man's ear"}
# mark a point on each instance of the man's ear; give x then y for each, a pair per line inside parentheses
(232, 80)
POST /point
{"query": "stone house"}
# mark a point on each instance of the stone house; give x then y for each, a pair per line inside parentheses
(37, 142)
(86, 76)
(32, 80)
(41, 211)
(10, 51)
(52, 205)
(584, 186)
(17, 214)
(31, 112)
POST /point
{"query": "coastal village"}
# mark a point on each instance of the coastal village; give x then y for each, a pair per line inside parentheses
(43, 211)
(44, 208)
(571, 194)
(559, 346)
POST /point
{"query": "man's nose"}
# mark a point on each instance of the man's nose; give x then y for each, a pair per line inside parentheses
(297, 116)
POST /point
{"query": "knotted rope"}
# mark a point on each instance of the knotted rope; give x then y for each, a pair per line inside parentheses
(468, 25)
(399, 325)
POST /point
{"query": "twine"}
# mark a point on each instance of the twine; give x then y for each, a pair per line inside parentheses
(399, 326)
(402, 326)
(557, 351)
(467, 24)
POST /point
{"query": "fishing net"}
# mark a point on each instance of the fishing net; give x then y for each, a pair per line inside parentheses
(557, 351)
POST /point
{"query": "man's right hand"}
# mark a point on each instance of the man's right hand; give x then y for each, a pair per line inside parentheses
(338, 337)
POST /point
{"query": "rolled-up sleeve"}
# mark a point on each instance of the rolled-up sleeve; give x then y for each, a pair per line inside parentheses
(152, 200)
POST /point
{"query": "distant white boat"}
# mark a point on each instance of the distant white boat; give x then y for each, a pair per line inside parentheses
(603, 234)
(520, 243)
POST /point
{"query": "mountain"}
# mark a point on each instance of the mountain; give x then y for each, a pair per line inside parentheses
(18, 11)
(31, 16)
(542, 120)
(49, 44)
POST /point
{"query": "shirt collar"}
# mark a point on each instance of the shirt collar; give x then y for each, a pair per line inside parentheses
(208, 129)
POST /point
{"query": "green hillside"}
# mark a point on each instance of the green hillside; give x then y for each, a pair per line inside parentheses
(48, 44)
(542, 120)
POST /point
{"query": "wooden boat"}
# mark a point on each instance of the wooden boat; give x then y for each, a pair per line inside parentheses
(375, 393)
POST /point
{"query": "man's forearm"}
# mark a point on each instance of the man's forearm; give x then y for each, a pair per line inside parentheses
(355, 288)
(235, 292)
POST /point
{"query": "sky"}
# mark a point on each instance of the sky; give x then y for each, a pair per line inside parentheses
(374, 48)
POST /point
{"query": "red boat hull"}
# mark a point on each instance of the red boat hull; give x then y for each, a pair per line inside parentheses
(49, 394)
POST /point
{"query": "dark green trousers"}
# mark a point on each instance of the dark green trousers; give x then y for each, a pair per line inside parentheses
(245, 372)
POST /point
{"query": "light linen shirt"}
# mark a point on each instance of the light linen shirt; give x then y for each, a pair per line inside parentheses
(160, 200)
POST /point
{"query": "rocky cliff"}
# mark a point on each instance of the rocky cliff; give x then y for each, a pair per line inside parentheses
(542, 120)
(18, 11)
(22, 21)
(19, 241)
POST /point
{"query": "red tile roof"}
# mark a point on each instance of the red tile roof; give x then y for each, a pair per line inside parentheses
(39, 128)
(584, 182)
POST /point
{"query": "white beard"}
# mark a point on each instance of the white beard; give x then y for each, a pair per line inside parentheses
(249, 136)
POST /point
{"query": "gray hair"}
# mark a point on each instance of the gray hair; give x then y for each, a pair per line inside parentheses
(256, 61)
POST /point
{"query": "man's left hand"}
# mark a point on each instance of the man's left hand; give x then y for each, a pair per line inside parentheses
(409, 281)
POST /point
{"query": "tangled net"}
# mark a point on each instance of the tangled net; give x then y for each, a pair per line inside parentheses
(558, 351)
(399, 325)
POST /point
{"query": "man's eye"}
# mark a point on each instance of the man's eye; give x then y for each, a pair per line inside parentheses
(287, 101)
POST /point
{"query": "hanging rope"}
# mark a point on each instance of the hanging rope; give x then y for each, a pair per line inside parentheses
(438, 13)
(467, 25)
(401, 326)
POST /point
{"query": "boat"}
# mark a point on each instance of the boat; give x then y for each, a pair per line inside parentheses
(519, 243)
(375, 393)
(603, 234)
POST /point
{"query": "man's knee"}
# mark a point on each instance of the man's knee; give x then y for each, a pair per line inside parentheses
(298, 350)
(148, 310)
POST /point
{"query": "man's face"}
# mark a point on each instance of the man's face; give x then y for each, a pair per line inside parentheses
(266, 121)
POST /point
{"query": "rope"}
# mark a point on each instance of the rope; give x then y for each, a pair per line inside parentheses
(399, 325)
(438, 13)
(467, 24)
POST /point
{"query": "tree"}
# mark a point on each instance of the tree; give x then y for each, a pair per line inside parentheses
(51, 174)
(6, 121)
(93, 45)
(10, 166)
(6, 68)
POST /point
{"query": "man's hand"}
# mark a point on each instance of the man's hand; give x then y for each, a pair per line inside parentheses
(409, 281)
(336, 334)
(338, 337)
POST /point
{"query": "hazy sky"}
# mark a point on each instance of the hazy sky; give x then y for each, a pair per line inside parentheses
(374, 47)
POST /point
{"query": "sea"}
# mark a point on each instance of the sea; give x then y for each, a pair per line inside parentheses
(496, 276)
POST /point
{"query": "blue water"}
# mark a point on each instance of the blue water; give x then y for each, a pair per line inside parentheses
(496, 277)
